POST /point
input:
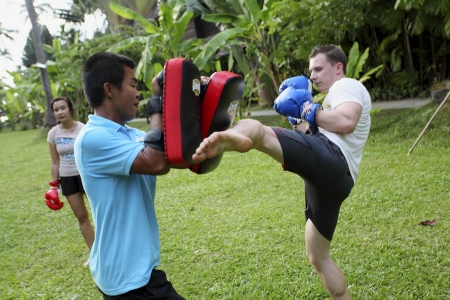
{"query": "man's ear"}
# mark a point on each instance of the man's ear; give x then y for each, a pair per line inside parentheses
(107, 89)
(340, 68)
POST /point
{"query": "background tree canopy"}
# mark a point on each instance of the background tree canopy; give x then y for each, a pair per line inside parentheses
(407, 44)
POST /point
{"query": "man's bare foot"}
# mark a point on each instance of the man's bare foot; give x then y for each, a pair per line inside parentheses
(219, 142)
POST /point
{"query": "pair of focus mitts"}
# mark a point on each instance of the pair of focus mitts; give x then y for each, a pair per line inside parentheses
(295, 101)
(52, 196)
(192, 111)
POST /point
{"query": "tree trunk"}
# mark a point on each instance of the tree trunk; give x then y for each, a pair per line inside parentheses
(433, 56)
(264, 95)
(40, 58)
(443, 75)
(408, 57)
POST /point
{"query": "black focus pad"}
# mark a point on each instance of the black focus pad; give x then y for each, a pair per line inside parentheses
(154, 138)
(221, 99)
(181, 111)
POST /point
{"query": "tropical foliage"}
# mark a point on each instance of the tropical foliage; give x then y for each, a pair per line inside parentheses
(356, 61)
(406, 45)
(255, 48)
(164, 39)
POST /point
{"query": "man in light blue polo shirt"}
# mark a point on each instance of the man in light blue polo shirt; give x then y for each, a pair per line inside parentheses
(118, 170)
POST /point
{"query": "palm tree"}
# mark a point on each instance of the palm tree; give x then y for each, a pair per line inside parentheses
(40, 57)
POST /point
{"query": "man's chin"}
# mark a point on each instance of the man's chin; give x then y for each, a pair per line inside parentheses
(130, 118)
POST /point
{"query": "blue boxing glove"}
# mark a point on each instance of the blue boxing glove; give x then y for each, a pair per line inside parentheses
(294, 121)
(290, 102)
(309, 111)
(297, 104)
(298, 82)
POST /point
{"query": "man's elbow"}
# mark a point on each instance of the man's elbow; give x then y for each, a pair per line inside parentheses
(348, 127)
(162, 168)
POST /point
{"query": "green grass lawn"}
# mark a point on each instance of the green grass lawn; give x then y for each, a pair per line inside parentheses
(238, 232)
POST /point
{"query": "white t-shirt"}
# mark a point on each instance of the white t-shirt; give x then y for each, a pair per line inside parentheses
(351, 145)
(64, 146)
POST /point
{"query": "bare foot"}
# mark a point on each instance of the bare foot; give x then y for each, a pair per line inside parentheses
(219, 142)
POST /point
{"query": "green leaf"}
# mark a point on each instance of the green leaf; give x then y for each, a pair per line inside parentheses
(132, 15)
(166, 17)
(352, 60)
(230, 62)
(147, 54)
(264, 14)
(253, 8)
(53, 89)
(52, 67)
(224, 18)
(241, 59)
(367, 75)
(127, 43)
(147, 68)
(180, 26)
(214, 44)
(56, 45)
(48, 48)
(218, 66)
(361, 61)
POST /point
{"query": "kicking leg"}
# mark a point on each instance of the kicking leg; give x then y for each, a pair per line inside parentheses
(247, 134)
(318, 252)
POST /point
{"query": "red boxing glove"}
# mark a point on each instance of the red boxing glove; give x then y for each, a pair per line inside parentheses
(52, 196)
(55, 183)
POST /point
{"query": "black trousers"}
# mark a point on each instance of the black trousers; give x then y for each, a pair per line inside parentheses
(158, 288)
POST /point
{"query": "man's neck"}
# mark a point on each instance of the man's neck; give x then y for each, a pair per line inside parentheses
(105, 113)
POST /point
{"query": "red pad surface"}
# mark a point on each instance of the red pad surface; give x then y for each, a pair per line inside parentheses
(220, 103)
(181, 111)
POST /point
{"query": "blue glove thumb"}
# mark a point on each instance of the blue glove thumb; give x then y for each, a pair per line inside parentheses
(291, 101)
(298, 82)
(294, 121)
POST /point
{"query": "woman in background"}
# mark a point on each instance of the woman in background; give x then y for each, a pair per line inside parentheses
(61, 139)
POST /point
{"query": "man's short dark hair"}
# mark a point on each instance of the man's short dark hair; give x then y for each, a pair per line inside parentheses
(333, 53)
(101, 68)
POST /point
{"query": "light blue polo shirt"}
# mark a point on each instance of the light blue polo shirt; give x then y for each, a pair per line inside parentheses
(126, 246)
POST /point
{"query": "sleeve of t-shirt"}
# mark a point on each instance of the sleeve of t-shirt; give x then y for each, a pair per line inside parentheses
(344, 90)
(106, 153)
(51, 136)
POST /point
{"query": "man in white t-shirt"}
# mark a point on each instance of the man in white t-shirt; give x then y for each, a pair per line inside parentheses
(326, 155)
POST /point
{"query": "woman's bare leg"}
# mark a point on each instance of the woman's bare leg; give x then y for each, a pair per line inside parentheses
(80, 211)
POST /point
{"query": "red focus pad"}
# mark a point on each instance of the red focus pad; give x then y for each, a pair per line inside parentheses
(220, 102)
(181, 111)
(52, 199)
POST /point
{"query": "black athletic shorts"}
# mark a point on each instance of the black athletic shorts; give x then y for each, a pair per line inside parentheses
(71, 185)
(157, 288)
(325, 172)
